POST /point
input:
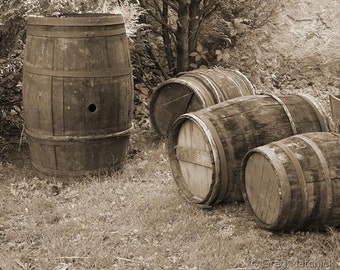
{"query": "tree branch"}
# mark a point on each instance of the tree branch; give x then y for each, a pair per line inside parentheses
(166, 37)
(154, 58)
(171, 4)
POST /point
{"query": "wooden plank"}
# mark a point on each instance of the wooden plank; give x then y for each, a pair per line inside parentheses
(195, 156)
(335, 107)
(197, 179)
(58, 106)
(93, 106)
(44, 105)
(75, 106)
(117, 51)
(168, 103)
(263, 190)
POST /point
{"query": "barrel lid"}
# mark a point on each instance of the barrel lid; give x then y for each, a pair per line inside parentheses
(261, 187)
(196, 162)
(77, 19)
(171, 99)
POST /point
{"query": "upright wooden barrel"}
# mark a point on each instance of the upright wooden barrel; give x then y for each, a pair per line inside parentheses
(206, 147)
(192, 91)
(294, 183)
(77, 92)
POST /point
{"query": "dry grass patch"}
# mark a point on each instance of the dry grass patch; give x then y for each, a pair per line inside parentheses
(135, 219)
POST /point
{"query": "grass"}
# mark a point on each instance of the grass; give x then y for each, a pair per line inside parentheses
(136, 219)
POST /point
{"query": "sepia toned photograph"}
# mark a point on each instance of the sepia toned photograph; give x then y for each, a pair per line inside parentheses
(169, 134)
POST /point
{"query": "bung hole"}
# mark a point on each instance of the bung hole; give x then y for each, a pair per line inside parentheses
(92, 108)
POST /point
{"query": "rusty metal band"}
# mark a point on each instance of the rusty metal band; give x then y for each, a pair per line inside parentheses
(319, 111)
(113, 72)
(202, 95)
(80, 33)
(285, 108)
(246, 81)
(301, 178)
(211, 85)
(336, 134)
(77, 20)
(326, 173)
(54, 140)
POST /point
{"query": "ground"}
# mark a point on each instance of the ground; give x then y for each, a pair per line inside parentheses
(137, 219)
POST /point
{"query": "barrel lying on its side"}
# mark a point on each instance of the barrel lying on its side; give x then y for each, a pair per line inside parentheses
(192, 91)
(77, 92)
(294, 183)
(206, 147)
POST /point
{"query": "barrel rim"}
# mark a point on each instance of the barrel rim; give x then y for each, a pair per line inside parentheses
(174, 164)
(156, 92)
(76, 19)
(319, 111)
(245, 79)
(312, 101)
(205, 79)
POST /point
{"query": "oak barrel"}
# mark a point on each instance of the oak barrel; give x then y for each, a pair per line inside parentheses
(294, 183)
(77, 92)
(192, 91)
(206, 147)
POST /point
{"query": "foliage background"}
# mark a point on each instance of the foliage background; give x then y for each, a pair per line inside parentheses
(282, 46)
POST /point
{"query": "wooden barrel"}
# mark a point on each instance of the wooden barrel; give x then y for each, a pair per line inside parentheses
(77, 92)
(192, 91)
(294, 183)
(206, 147)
